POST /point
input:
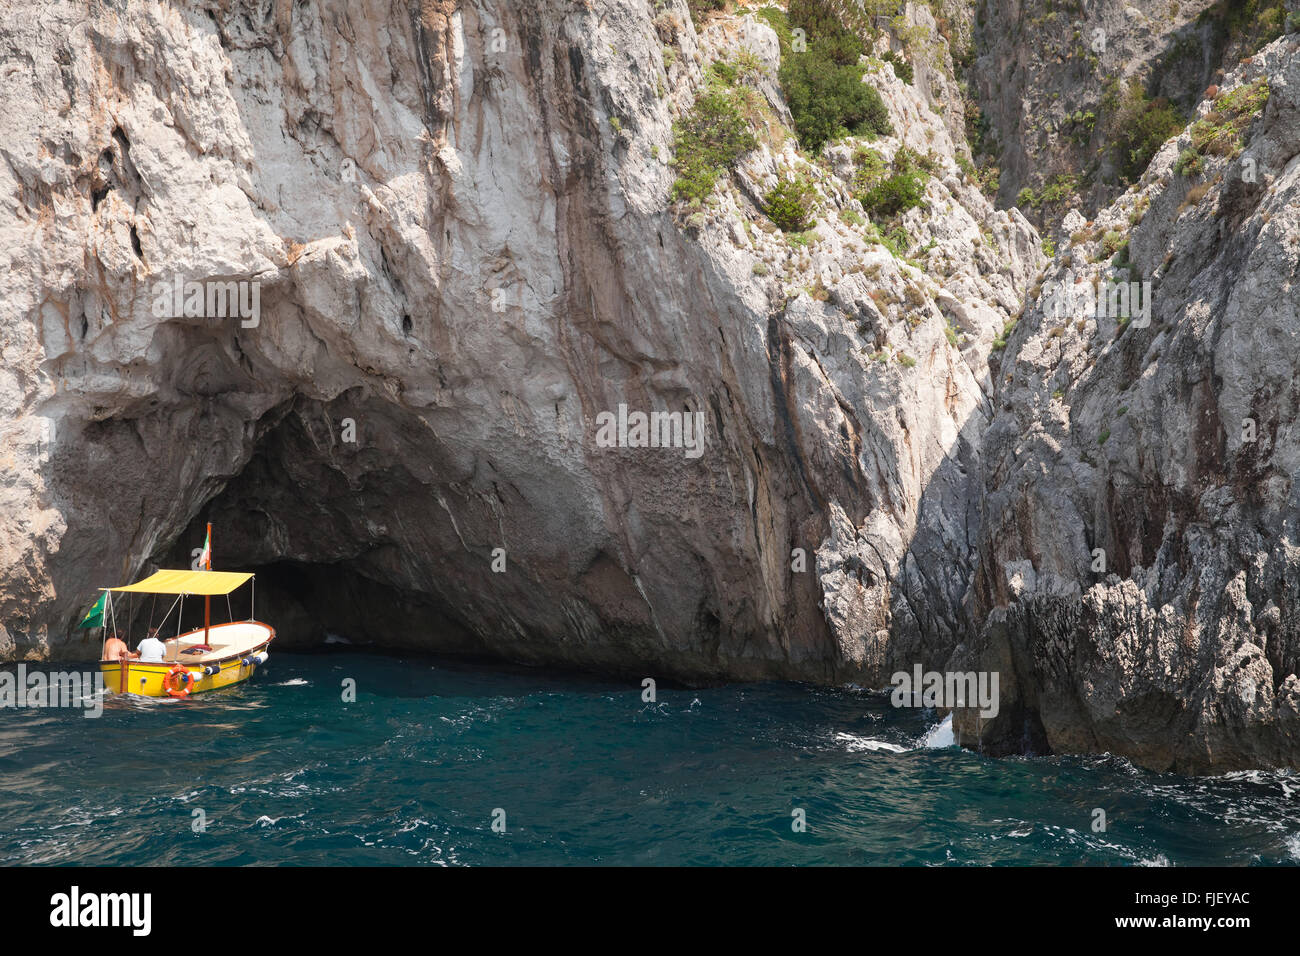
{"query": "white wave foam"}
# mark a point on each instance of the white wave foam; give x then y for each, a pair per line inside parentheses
(857, 744)
(940, 735)
(1293, 846)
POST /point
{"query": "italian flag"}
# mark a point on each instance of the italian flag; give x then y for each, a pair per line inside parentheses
(95, 616)
(205, 559)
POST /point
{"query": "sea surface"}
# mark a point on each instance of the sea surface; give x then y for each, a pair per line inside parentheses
(415, 770)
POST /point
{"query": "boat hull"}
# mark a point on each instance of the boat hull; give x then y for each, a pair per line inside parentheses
(234, 647)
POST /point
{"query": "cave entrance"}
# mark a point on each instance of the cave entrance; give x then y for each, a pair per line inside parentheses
(314, 605)
(325, 526)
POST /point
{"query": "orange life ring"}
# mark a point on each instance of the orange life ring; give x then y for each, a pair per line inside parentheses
(173, 678)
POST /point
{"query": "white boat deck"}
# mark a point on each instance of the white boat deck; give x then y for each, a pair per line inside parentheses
(226, 640)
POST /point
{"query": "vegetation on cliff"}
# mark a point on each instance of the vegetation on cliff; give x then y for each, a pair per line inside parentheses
(821, 76)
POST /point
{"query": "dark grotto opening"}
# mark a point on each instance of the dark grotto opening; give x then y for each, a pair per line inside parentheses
(311, 605)
(314, 605)
(320, 525)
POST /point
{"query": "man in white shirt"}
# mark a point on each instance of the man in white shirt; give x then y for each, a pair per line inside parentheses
(151, 649)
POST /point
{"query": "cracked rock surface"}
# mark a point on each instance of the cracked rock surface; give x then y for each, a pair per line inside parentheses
(1138, 558)
(458, 220)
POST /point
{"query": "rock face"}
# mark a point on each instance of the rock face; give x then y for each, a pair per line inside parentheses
(1138, 564)
(365, 284)
(456, 217)
(1049, 78)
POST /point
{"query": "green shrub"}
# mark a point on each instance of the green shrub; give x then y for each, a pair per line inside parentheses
(902, 69)
(790, 204)
(1244, 101)
(823, 83)
(1189, 163)
(893, 196)
(870, 168)
(1060, 187)
(1141, 125)
(1121, 258)
(829, 101)
(1082, 124)
(897, 241)
(723, 72)
(885, 196)
(1008, 327)
(707, 141)
(1250, 23)
(824, 28)
(1220, 132)
(1110, 243)
(989, 180)
(908, 159)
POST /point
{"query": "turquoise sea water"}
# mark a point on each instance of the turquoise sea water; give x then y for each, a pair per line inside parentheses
(285, 772)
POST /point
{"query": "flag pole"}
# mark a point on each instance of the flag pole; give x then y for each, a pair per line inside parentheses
(207, 598)
(103, 631)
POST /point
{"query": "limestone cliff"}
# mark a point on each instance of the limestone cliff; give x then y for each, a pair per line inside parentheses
(459, 221)
(360, 282)
(1138, 561)
(1070, 99)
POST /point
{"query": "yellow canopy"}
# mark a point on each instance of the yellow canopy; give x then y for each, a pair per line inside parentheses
(188, 582)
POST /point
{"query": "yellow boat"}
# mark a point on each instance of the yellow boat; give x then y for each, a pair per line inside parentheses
(204, 659)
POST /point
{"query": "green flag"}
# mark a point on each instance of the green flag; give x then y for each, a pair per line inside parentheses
(95, 618)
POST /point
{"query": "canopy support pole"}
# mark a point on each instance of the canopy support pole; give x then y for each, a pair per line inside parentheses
(207, 598)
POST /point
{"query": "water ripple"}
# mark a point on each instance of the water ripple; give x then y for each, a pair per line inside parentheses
(456, 764)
